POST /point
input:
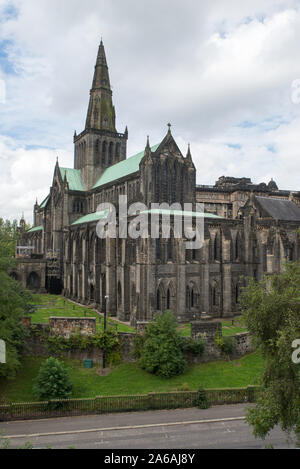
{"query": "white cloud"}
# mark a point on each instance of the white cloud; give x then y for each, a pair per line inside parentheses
(26, 175)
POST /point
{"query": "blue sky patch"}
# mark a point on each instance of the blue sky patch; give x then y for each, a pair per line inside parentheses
(5, 64)
(247, 124)
(9, 13)
(271, 148)
(236, 146)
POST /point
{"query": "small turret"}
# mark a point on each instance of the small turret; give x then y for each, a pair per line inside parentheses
(272, 186)
(148, 153)
(22, 227)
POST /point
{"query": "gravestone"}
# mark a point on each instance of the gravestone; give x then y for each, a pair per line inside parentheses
(2, 352)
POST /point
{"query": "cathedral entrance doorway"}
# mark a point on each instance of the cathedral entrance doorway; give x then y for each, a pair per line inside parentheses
(54, 286)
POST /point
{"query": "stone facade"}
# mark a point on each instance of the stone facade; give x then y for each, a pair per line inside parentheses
(244, 236)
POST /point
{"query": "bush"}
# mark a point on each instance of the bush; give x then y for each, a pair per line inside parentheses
(162, 353)
(138, 344)
(202, 401)
(195, 347)
(225, 344)
(53, 381)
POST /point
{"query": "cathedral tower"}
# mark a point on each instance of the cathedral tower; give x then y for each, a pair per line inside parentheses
(99, 145)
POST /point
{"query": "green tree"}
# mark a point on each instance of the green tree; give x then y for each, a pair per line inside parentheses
(161, 353)
(271, 309)
(53, 381)
(14, 302)
(8, 239)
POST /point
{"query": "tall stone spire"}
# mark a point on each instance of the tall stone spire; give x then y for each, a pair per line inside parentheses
(99, 146)
(101, 112)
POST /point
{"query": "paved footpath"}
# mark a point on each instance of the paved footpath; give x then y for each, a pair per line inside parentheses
(217, 427)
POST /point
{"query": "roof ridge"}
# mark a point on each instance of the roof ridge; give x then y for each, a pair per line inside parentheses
(124, 163)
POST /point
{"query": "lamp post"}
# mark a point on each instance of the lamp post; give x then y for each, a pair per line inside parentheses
(104, 350)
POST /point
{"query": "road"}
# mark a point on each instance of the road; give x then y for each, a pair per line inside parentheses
(215, 428)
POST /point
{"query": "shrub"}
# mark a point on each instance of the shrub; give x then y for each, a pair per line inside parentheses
(53, 381)
(225, 344)
(184, 387)
(162, 353)
(202, 401)
(195, 347)
(138, 344)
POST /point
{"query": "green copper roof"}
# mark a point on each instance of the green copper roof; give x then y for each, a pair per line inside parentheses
(122, 169)
(73, 178)
(44, 203)
(181, 213)
(91, 217)
(35, 228)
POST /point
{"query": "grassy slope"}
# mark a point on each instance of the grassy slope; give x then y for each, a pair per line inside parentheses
(227, 330)
(128, 378)
(53, 305)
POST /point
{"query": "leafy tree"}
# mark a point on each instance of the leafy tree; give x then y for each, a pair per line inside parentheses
(8, 239)
(53, 381)
(161, 353)
(272, 313)
(14, 302)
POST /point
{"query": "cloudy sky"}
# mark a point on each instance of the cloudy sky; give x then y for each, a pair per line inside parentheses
(225, 73)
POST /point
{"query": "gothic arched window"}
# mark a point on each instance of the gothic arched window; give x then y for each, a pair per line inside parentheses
(170, 250)
(97, 152)
(216, 248)
(158, 249)
(118, 146)
(237, 247)
(110, 153)
(188, 298)
(104, 149)
(168, 299)
(158, 300)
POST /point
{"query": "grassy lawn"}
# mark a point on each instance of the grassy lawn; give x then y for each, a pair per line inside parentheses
(58, 306)
(53, 305)
(128, 378)
(227, 328)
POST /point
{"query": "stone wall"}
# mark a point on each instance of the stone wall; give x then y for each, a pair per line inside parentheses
(243, 344)
(36, 346)
(66, 327)
(206, 330)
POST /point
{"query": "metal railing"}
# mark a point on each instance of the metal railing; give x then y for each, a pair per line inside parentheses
(110, 404)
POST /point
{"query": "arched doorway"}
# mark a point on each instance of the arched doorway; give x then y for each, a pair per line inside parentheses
(14, 276)
(33, 281)
(54, 286)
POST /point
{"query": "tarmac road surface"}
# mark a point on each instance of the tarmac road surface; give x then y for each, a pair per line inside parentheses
(215, 428)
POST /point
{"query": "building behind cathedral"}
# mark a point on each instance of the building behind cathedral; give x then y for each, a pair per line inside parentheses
(249, 229)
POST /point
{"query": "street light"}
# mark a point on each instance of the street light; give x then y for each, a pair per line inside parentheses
(104, 350)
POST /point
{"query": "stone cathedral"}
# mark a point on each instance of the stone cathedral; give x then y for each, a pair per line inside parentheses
(249, 229)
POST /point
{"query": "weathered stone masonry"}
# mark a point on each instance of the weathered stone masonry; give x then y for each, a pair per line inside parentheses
(250, 229)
